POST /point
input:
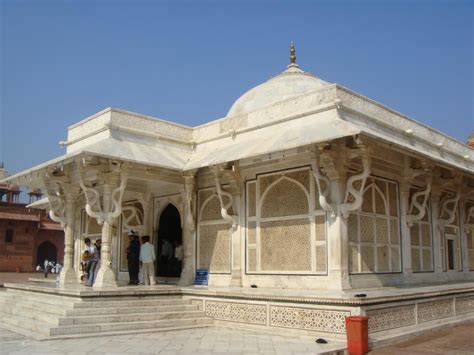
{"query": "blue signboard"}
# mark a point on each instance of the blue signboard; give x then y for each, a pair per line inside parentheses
(202, 277)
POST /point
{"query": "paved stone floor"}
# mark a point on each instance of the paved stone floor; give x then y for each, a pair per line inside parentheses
(456, 340)
(213, 340)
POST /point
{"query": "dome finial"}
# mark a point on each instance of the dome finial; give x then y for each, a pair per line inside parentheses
(292, 53)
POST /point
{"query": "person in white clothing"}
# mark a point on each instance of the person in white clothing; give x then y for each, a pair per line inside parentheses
(147, 260)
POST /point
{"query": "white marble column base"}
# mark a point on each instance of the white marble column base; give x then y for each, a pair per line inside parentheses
(67, 276)
(105, 277)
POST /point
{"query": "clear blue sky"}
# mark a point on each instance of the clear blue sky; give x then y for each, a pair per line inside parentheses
(188, 61)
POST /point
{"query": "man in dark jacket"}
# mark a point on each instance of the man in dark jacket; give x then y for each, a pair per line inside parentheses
(133, 257)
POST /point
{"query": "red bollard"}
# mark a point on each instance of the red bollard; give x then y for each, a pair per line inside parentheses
(357, 332)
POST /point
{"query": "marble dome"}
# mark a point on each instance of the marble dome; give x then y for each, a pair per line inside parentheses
(290, 83)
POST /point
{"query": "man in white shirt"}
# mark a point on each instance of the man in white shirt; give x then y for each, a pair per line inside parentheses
(147, 260)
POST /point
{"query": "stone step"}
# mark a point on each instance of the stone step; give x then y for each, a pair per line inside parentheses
(133, 298)
(41, 298)
(127, 310)
(130, 326)
(32, 314)
(31, 325)
(9, 302)
(127, 318)
(99, 303)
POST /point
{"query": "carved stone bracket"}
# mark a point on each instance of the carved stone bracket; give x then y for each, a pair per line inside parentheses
(417, 210)
(322, 182)
(103, 202)
(218, 172)
(357, 194)
(449, 205)
(59, 191)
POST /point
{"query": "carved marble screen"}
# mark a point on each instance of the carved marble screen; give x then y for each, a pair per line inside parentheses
(374, 230)
(421, 240)
(286, 234)
(213, 234)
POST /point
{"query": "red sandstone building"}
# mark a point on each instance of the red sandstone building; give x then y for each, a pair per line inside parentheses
(27, 235)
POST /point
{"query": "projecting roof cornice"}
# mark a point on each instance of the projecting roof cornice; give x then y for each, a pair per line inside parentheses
(321, 115)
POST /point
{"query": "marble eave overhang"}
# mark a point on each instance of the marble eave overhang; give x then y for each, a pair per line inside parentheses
(319, 116)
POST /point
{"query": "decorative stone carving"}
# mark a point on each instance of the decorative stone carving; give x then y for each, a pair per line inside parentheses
(417, 210)
(389, 318)
(237, 312)
(105, 209)
(322, 182)
(356, 193)
(218, 171)
(464, 305)
(308, 318)
(428, 311)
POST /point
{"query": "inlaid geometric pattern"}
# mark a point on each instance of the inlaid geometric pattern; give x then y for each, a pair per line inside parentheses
(354, 259)
(286, 198)
(367, 258)
(373, 231)
(251, 233)
(429, 311)
(237, 312)
(464, 305)
(252, 202)
(307, 318)
(426, 255)
(214, 247)
(389, 318)
(394, 235)
(379, 202)
(367, 203)
(302, 176)
(381, 227)
(320, 222)
(211, 210)
(352, 228)
(415, 259)
(265, 181)
(425, 235)
(395, 259)
(285, 245)
(366, 228)
(204, 195)
(252, 259)
(383, 259)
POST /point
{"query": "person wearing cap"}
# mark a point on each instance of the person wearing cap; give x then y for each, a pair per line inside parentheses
(133, 257)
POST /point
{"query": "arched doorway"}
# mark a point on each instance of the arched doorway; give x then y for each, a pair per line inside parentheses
(169, 249)
(46, 251)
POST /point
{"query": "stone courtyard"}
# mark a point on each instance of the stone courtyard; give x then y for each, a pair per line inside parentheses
(216, 340)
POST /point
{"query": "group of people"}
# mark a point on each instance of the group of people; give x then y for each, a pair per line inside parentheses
(50, 267)
(141, 260)
(90, 261)
(140, 256)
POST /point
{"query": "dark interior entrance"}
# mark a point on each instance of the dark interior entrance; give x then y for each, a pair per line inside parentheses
(46, 251)
(451, 251)
(169, 249)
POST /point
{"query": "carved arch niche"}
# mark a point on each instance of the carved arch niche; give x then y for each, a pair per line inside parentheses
(286, 234)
